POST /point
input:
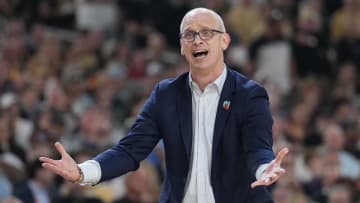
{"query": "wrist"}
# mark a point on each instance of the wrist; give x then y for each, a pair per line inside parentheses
(81, 176)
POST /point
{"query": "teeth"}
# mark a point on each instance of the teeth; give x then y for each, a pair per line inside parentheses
(200, 53)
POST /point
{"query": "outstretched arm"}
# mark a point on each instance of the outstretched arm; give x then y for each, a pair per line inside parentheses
(65, 167)
(273, 171)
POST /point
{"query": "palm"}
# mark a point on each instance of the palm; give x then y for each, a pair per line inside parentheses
(65, 167)
(273, 171)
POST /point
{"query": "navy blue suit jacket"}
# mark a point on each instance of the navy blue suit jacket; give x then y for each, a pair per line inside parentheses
(242, 139)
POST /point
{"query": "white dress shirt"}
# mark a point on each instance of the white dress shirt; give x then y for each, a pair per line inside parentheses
(198, 187)
(204, 105)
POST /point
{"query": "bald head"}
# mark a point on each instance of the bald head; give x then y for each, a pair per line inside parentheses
(197, 11)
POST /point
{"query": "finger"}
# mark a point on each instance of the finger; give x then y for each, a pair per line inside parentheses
(262, 182)
(281, 155)
(270, 166)
(273, 170)
(273, 178)
(276, 175)
(53, 168)
(276, 172)
(257, 183)
(63, 173)
(47, 160)
(279, 171)
(60, 148)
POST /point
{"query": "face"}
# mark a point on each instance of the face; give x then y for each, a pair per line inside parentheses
(203, 55)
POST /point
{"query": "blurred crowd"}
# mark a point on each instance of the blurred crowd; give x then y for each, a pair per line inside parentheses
(78, 72)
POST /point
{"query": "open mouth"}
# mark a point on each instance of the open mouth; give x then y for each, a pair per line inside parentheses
(200, 54)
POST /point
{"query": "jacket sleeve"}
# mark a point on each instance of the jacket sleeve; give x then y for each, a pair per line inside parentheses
(140, 141)
(257, 130)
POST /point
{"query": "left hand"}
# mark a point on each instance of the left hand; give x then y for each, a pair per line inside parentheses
(273, 171)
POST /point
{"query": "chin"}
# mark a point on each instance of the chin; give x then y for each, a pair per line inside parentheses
(203, 64)
(200, 67)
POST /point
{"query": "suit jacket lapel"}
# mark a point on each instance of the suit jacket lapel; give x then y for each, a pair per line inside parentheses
(184, 107)
(224, 108)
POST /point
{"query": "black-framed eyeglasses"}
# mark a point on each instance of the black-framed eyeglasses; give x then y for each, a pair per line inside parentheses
(206, 34)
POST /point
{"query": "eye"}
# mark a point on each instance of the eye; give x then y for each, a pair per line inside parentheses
(206, 33)
(188, 35)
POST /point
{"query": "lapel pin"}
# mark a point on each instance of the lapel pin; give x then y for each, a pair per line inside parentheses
(226, 105)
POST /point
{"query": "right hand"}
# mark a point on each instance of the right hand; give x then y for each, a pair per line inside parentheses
(273, 171)
(65, 167)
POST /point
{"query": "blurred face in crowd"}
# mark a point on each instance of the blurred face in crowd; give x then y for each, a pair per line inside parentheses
(339, 194)
(203, 51)
(334, 138)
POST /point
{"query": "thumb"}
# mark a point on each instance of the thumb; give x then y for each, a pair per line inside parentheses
(281, 155)
(60, 148)
(256, 183)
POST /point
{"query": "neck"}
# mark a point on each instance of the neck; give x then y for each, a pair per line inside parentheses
(205, 77)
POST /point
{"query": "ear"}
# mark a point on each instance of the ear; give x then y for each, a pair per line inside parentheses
(226, 41)
(181, 50)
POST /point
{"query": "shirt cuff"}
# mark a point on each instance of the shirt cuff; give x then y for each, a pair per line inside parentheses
(92, 172)
(260, 170)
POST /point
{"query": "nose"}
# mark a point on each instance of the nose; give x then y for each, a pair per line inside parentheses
(197, 38)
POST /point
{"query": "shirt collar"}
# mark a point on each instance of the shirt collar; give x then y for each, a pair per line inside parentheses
(218, 82)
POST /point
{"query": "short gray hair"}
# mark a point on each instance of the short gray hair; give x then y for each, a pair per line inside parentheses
(204, 10)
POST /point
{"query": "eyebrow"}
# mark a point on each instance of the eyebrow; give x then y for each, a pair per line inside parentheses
(191, 30)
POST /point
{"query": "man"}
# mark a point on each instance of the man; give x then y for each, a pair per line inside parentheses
(215, 125)
(37, 189)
